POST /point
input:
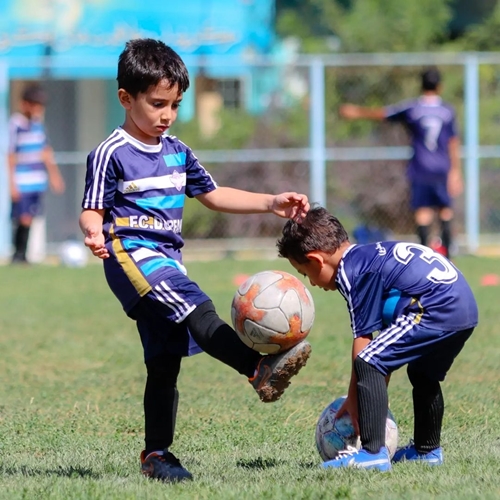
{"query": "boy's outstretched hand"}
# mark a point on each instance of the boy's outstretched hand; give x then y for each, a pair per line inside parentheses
(290, 206)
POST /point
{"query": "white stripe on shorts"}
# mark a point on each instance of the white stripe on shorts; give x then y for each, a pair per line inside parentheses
(388, 336)
(170, 298)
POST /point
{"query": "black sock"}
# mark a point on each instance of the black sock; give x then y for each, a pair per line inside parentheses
(446, 235)
(423, 234)
(220, 341)
(21, 237)
(372, 405)
(428, 408)
(160, 401)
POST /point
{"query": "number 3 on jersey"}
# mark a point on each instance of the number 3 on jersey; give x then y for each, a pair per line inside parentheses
(442, 271)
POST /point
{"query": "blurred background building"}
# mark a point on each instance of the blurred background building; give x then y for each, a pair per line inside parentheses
(266, 79)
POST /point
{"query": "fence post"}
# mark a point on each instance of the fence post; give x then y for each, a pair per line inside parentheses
(317, 172)
(5, 229)
(471, 92)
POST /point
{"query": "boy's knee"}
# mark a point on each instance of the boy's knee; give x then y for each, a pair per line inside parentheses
(203, 322)
(418, 378)
(165, 367)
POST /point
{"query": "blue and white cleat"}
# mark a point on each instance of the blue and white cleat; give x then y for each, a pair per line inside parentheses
(409, 452)
(361, 459)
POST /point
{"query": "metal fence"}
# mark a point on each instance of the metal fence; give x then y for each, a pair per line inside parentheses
(286, 136)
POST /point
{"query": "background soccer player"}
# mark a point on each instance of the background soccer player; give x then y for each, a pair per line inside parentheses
(31, 166)
(434, 171)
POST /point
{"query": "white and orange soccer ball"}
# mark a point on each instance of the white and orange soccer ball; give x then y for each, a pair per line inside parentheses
(272, 311)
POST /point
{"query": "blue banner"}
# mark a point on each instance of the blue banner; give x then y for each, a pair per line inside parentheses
(90, 28)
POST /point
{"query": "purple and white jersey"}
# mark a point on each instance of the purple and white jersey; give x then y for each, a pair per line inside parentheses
(142, 188)
(431, 123)
(27, 140)
(393, 281)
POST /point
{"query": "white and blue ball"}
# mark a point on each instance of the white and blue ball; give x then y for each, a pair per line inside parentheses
(73, 253)
(336, 434)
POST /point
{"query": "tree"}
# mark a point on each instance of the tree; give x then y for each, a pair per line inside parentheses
(367, 25)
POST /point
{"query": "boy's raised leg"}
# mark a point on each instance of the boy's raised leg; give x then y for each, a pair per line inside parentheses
(269, 375)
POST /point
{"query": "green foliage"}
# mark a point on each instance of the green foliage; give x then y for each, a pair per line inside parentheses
(368, 26)
(72, 381)
(388, 25)
(484, 36)
(237, 128)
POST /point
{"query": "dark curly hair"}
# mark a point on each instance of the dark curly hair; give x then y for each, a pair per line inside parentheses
(146, 62)
(319, 230)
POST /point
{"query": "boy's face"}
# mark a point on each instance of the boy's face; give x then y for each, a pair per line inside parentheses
(32, 110)
(318, 269)
(151, 114)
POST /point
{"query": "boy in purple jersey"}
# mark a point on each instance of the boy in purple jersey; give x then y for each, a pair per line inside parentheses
(434, 171)
(136, 184)
(408, 306)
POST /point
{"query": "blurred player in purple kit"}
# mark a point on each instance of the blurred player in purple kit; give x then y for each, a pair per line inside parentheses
(31, 166)
(408, 305)
(434, 171)
(136, 185)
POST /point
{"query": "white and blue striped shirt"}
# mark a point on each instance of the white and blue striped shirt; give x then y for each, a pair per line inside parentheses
(27, 140)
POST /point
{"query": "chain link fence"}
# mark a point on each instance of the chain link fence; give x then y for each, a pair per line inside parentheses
(256, 131)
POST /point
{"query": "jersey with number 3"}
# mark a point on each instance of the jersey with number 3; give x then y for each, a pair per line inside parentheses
(431, 123)
(383, 281)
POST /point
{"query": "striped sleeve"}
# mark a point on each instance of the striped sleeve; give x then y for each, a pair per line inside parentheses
(101, 180)
(363, 295)
(199, 181)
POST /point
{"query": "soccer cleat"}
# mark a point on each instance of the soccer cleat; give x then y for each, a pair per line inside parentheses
(274, 371)
(164, 467)
(360, 459)
(409, 452)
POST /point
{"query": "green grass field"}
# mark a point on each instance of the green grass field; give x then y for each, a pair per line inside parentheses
(72, 380)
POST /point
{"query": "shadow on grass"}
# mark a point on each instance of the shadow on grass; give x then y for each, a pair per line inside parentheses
(309, 465)
(71, 472)
(257, 463)
(266, 463)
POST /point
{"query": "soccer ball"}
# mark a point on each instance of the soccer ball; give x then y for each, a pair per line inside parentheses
(73, 254)
(336, 434)
(272, 311)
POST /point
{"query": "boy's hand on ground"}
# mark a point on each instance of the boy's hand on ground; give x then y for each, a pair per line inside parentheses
(350, 408)
(94, 239)
(291, 206)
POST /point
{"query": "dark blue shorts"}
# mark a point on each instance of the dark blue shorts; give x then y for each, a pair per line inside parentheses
(28, 204)
(160, 315)
(431, 352)
(434, 195)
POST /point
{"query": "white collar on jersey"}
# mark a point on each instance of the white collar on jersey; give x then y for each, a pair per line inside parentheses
(431, 100)
(148, 148)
